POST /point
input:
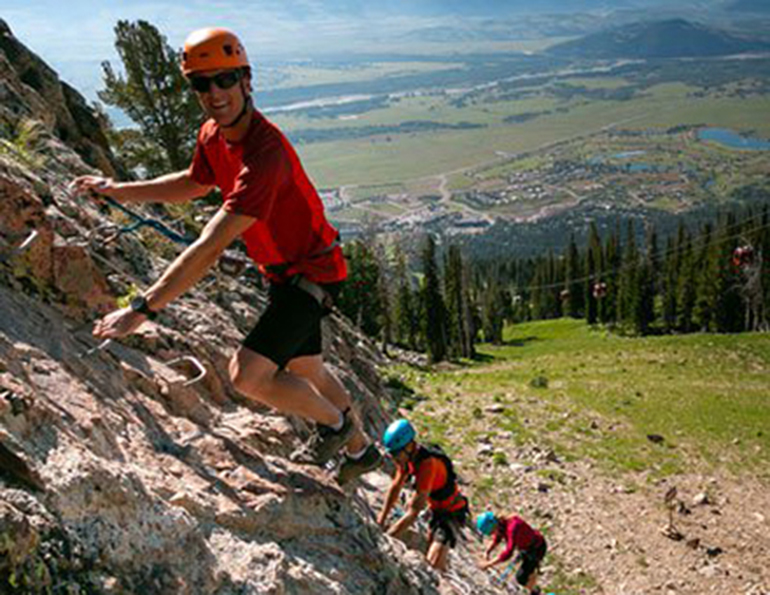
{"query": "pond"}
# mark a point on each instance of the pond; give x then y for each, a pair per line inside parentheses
(733, 140)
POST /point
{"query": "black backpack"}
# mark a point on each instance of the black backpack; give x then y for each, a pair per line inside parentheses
(426, 451)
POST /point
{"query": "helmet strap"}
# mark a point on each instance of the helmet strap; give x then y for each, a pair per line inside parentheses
(246, 104)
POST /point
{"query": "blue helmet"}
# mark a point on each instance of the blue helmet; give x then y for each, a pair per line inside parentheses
(398, 435)
(486, 522)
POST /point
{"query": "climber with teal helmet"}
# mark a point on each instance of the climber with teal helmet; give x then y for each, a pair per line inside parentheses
(435, 485)
(518, 535)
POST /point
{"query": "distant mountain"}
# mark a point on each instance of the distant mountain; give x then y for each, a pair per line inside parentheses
(529, 26)
(750, 6)
(675, 38)
(503, 7)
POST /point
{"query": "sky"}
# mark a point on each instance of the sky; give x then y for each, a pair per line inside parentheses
(75, 36)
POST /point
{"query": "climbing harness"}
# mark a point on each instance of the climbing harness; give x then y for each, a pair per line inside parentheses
(316, 291)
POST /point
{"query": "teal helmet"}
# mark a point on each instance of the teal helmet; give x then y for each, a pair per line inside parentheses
(486, 522)
(398, 435)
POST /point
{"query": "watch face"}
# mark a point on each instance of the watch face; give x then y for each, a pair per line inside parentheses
(138, 304)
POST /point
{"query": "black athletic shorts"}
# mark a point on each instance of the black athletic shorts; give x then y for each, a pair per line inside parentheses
(446, 525)
(291, 325)
(530, 561)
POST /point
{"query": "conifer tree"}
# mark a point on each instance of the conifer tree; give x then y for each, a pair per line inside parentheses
(154, 94)
(629, 284)
(575, 294)
(705, 299)
(591, 280)
(493, 313)
(686, 291)
(611, 265)
(359, 298)
(592, 272)
(644, 296)
(433, 305)
(669, 285)
(458, 311)
(728, 311)
(406, 306)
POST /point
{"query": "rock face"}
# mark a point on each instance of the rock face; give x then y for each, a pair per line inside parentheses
(29, 88)
(116, 476)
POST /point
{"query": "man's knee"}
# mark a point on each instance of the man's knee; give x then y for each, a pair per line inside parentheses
(251, 373)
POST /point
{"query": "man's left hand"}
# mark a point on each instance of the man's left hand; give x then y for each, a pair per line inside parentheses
(118, 324)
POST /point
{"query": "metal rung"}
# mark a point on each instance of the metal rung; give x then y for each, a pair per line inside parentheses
(100, 347)
(194, 361)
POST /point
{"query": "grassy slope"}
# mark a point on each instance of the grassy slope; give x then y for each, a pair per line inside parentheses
(707, 395)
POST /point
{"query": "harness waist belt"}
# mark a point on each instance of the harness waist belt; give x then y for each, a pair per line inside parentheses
(280, 269)
(319, 293)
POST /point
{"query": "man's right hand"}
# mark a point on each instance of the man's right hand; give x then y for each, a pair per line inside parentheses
(94, 184)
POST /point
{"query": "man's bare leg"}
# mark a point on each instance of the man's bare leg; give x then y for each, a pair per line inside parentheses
(312, 368)
(258, 378)
(438, 553)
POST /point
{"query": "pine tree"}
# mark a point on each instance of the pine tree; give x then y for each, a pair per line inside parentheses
(575, 294)
(493, 313)
(154, 94)
(671, 273)
(608, 305)
(644, 298)
(433, 305)
(407, 326)
(468, 319)
(458, 310)
(591, 280)
(593, 273)
(384, 297)
(728, 311)
(686, 290)
(706, 287)
(629, 283)
(359, 298)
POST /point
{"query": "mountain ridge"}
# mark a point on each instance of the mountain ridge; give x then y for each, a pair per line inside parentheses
(672, 38)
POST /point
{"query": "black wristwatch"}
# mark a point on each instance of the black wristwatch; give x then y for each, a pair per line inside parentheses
(139, 304)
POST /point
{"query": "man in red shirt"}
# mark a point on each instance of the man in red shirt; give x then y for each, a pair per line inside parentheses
(517, 535)
(271, 204)
(435, 485)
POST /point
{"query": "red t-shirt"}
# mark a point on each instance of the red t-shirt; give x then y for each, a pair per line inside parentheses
(262, 177)
(518, 535)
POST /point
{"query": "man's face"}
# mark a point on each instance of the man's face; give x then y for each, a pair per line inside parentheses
(402, 456)
(221, 93)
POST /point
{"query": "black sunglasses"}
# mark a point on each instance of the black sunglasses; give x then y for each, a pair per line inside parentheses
(224, 80)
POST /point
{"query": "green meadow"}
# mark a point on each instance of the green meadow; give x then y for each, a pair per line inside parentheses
(588, 393)
(409, 157)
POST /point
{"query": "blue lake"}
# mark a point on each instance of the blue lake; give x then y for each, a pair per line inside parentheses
(729, 138)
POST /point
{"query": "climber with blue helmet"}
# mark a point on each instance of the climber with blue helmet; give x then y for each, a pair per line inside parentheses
(436, 487)
(518, 535)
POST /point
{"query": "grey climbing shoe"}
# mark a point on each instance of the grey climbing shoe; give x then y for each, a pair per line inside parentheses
(325, 443)
(353, 468)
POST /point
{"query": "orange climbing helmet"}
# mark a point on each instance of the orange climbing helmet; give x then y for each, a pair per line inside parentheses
(213, 49)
